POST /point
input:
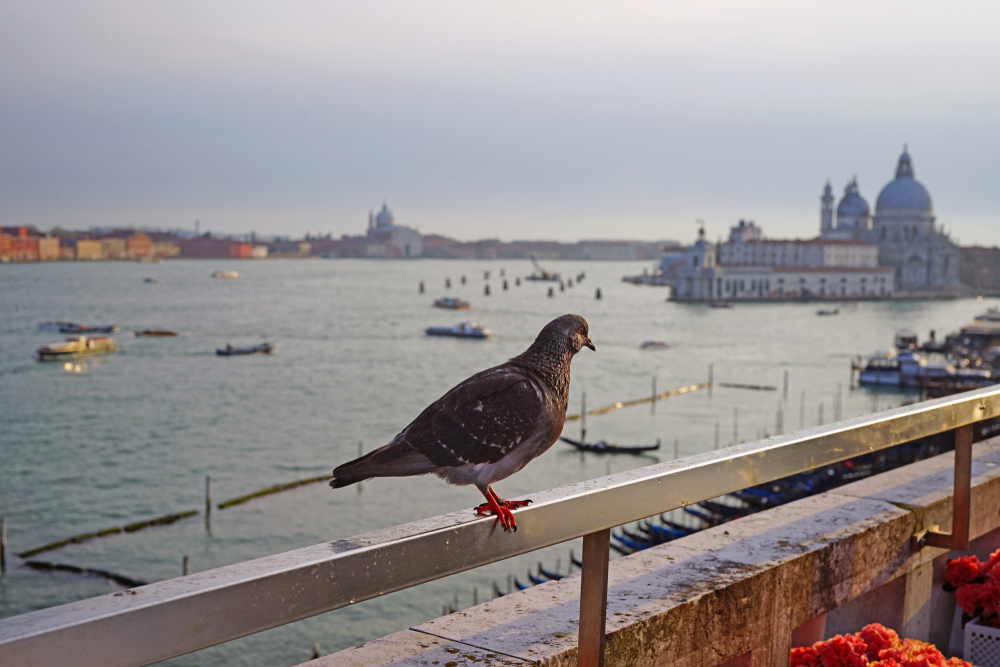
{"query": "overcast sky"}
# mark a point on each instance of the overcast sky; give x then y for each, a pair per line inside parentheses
(558, 120)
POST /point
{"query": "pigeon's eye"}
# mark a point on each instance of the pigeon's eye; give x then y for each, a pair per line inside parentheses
(580, 330)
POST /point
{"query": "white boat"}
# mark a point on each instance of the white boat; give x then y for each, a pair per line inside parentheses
(225, 274)
(76, 347)
(463, 330)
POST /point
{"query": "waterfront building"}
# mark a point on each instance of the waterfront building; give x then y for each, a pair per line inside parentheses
(387, 239)
(114, 248)
(700, 277)
(923, 257)
(747, 247)
(18, 244)
(87, 249)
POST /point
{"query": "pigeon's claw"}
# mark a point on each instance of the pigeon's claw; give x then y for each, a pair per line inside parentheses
(514, 504)
(503, 515)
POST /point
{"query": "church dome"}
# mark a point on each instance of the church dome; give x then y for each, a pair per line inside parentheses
(853, 204)
(904, 193)
(384, 217)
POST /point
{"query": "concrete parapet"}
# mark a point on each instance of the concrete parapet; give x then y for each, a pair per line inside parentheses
(735, 594)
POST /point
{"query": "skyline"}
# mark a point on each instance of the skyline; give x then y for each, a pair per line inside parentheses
(567, 121)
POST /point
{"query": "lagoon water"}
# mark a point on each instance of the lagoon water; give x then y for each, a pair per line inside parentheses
(132, 435)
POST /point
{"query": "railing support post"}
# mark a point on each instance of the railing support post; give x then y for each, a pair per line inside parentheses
(958, 540)
(593, 598)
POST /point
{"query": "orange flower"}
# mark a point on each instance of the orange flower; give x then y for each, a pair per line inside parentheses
(964, 570)
(877, 637)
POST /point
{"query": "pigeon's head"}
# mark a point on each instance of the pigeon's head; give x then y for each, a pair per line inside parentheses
(573, 329)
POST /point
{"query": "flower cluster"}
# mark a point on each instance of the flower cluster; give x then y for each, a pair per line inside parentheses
(977, 586)
(875, 646)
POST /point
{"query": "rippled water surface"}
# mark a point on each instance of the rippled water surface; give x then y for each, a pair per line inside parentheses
(132, 435)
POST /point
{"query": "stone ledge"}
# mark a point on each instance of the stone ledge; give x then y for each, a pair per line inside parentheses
(722, 593)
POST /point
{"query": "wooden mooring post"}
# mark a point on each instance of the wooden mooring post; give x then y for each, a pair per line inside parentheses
(3, 544)
(208, 495)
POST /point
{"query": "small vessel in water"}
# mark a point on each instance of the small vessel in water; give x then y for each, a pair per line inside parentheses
(654, 345)
(230, 351)
(542, 274)
(452, 303)
(828, 311)
(602, 447)
(463, 330)
(154, 333)
(70, 328)
(76, 347)
(56, 326)
(225, 274)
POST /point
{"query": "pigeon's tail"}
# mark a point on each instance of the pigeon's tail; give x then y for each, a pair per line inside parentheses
(392, 460)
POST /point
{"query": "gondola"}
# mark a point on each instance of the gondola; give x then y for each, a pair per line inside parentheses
(535, 580)
(551, 575)
(602, 447)
(230, 351)
(520, 586)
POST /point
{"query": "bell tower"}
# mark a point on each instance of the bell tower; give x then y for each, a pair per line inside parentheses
(826, 211)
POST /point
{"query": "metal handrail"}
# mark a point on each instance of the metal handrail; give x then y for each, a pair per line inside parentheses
(170, 618)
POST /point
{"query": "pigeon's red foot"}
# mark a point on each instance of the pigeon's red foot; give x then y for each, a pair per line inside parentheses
(501, 511)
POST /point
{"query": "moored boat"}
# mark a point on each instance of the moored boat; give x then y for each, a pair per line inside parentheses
(602, 447)
(154, 333)
(654, 345)
(225, 274)
(76, 347)
(463, 330)
(452, 303)
(70, 328)
(542, 274)
(56, 326)
(230, 351)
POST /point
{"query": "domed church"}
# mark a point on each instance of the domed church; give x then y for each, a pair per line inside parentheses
(923, 256)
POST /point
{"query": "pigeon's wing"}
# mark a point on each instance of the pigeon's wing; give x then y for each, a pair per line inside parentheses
(479, 421)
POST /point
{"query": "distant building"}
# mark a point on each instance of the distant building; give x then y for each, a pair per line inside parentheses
(697, 276)
(747, 247)
(289, 249)
(387, 239)
(980, 269)
(165, 249)
(259, 252)
(114, 248)
(609, 250)
(48, 248)
(138, 245)
(209, 248)
(18, 244)
(87, 249)
(922, 256)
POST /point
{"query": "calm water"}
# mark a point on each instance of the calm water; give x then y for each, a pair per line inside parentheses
(133, 434)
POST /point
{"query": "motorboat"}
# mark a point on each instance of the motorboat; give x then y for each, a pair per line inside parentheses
(602, 447)
(654, 345)
(56, 326)
(991, 315)
(230, 351)
(225, 274)
(154, 333)
(828, 311)
(71, 328)
(76, 347)
(463, 330)
(452, 303)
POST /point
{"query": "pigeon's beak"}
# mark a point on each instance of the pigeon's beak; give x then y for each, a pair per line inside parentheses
(589, 343)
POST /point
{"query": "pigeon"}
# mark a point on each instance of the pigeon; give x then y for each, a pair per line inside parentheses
(489, 426)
